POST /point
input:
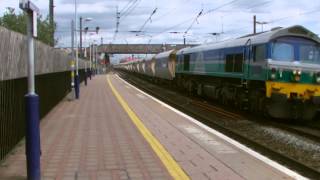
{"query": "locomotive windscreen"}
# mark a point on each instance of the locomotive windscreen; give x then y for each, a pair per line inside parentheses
(296, 49)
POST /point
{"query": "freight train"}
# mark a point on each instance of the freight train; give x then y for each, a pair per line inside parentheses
(276, 72)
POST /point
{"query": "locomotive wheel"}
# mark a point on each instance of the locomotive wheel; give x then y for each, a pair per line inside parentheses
(199, 89)
(309, 112)
(242, 104)
(254, 102)
(264, 107)
(224, 99)
(190, 87)
(296, 110)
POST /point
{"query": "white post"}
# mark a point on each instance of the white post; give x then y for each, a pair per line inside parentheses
(77, 78)
(90, 56)
(76, 35)
(31, 86)
(93, 57)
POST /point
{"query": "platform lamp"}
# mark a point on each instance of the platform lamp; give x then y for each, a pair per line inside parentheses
(94, 46)
(95, 49)
(32, 99)
(87, 72)
(82, 22)
(90, 55)
(81, 51)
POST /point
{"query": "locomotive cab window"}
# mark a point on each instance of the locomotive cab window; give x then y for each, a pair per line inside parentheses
(309, 54)
(229, 63)
(282, 51)
(238, 62)
(186, 62)
(234, 62)
(259, 53)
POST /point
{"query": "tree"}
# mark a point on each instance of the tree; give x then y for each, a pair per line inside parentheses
(18, 23)
(46, 31)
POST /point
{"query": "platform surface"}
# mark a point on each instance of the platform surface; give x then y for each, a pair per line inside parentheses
(96, 138)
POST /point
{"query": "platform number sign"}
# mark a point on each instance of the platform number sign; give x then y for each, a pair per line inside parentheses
(34, 25)
(30, 8)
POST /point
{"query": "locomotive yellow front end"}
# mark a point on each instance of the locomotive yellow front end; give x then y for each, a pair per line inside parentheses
(293, 90)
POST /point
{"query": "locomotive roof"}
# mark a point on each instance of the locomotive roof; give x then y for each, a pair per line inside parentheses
(298, 31)
(164, 54)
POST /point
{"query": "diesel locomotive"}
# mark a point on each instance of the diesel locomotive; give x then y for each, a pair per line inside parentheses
(276, 72)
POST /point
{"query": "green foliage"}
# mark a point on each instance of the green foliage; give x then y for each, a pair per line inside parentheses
(18, 23)
(46, 31)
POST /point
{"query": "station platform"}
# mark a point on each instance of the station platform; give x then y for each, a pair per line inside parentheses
(116, 131)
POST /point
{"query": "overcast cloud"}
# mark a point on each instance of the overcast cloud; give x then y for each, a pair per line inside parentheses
(234, 19)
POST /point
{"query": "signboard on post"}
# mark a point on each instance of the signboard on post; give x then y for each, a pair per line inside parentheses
(22, 4)
(29, 7)
(34, 27)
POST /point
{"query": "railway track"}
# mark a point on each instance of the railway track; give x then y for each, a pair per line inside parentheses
(311, 133)
(238, 126)
(307, 131)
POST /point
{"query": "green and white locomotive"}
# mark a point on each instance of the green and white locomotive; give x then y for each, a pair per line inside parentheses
(275, 72)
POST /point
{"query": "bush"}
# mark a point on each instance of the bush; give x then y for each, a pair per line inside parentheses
(18, 23)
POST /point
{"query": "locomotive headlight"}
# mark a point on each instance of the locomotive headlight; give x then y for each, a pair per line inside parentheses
(318, 77)
(273, 73)
(280, 73)
(299, 72)
(296, 75)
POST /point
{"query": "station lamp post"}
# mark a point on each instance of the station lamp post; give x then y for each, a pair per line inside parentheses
(77, 78)
(82, 55)
(90, 55)
(95, 57)
(93, 50)
(81, 23)
(32, 99)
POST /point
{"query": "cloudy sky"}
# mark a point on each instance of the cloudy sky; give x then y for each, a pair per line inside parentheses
(174, 17)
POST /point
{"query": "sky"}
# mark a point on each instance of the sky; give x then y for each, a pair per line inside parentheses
(173, 20)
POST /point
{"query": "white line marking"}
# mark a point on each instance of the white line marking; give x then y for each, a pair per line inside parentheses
(141, 96)
(204, 137)
(255, 154)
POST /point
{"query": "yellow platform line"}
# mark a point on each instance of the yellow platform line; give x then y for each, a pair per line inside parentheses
(172, 166)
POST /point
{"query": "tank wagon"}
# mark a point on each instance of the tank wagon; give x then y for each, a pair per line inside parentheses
(275, 72)
(165, 65)
(150, 67)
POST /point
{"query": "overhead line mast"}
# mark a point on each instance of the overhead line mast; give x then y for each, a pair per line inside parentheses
(195, 19)
(148, 20)
(51, 20)
(117, 24)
